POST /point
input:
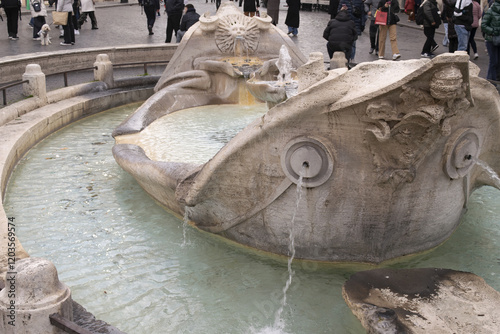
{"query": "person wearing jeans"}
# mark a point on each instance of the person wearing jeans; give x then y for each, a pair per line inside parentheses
(463, 19)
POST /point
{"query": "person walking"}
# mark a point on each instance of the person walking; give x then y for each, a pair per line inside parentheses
(462, 18)
(340, 33)
(189, 18)
(174, 10)
(88, 8)
(391, 8)
(38, 17)
(68, 29)
(293, 17)
(447, 19)
(12, 10)
(151, 7)
(490, 26)
(371, 8)
(273, 10)
(431, 23)
(476, 16)
(250, 7)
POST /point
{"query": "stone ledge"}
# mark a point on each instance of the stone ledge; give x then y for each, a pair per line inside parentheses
(423, 300)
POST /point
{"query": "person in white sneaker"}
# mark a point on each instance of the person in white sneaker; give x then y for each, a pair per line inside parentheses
(12, 10)
(391, 8)
(476, 16)
(432, 20)
(69, 30)
(38, 17)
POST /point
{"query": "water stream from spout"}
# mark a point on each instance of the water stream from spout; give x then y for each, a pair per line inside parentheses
(279, 323)
(491, 173)
(284, 65)
(185, 222)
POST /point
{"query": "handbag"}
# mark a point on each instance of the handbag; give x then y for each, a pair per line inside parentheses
(381, 18)
(60, 18)
(36, 6)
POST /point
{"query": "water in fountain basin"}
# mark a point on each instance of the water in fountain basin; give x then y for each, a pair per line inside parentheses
(491, 173)
(194, 135)
(121, 255)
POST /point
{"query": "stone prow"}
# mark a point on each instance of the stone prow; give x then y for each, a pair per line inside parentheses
(251, 167)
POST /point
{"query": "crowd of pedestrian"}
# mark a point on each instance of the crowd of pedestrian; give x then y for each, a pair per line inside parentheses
(461, 20)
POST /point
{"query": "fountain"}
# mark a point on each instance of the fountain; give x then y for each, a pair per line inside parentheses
(389, 148)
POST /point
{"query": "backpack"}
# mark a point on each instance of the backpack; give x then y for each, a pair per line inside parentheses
(36, 6)
(420, 16)
(147, 3)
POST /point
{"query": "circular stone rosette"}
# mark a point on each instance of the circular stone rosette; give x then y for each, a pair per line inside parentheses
(232, 26)
(307, 157)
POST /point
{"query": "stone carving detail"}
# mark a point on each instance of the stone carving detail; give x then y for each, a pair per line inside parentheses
(232, 26)
(407, 126)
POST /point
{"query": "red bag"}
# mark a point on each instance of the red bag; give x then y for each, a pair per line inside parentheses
(381, 18)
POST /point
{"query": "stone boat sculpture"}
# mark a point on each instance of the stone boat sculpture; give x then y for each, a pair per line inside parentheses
(388, 152)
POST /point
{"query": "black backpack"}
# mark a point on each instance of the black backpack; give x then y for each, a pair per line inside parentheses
(420, 16)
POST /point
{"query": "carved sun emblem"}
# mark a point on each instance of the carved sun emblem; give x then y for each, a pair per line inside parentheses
(233, 26)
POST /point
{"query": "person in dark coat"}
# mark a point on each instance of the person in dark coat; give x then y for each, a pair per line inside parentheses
(356, 10)
(432, 21)
(293, 16)
(333, 8)
(150, 8)
(273, 10)
(189, 18)
(12, 11)
(370, 9)
(174, 10)
(490, 26)
(340, 34)
(250, 7)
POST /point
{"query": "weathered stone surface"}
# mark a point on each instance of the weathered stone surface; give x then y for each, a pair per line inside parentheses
(389, 149)
(32, 293)
(424, 300)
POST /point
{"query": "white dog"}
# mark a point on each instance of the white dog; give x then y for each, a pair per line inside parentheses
(44, 34)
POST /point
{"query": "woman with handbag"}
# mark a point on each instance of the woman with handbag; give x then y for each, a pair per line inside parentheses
(38, 13)
(69, 31)
(389, 9)
(490, 27)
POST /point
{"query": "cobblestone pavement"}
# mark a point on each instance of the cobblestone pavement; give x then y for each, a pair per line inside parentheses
(124, 23)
